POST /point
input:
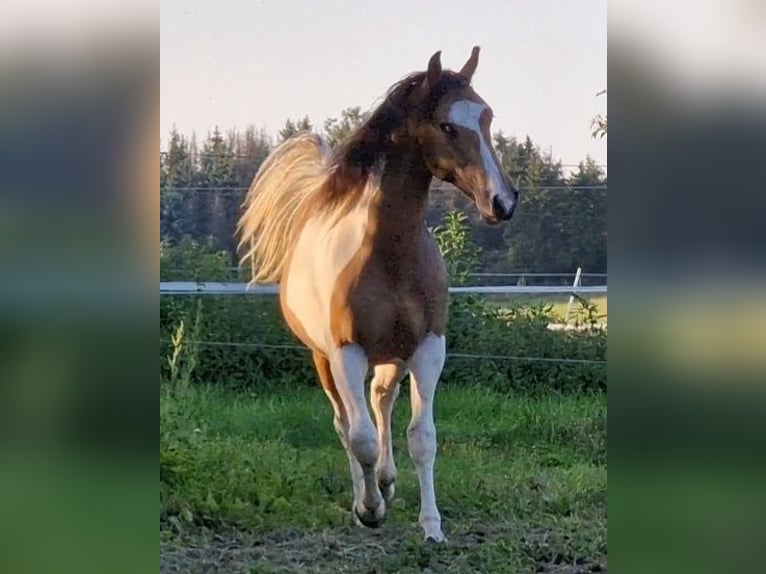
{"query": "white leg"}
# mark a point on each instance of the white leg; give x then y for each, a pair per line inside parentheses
(357, 477)
(340, 422)
(349, 367)
(426, 367)
(384, 390)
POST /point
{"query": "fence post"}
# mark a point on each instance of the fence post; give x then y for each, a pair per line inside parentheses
(577, 283)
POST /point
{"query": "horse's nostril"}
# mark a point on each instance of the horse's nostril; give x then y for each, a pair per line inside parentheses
(497, 206)
(500, 210)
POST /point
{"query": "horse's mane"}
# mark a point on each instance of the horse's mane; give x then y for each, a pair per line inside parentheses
(362, 153)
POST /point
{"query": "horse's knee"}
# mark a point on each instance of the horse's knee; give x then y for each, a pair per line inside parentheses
(364, 444)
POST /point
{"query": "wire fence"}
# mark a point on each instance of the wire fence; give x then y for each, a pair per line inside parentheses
(251, 156)
(454, 355)
(198, 288)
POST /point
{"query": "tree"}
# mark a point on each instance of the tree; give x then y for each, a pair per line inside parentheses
(589, 234)
(291, 128)
(213, 207)
(175, 172)
(335, 131)
(216, 161)
(178, 168)
(251, 148)
(201, 191)
(560, 222)
(598, 124)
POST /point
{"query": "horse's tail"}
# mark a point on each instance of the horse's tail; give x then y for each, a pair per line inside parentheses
(282, 189)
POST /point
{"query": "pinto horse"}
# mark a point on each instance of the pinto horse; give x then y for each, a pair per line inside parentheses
(362, 281)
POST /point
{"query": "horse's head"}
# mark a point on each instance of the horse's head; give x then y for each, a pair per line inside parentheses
(454, 133)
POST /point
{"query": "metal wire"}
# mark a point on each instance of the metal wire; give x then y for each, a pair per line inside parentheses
(454, 355)
(251, 156)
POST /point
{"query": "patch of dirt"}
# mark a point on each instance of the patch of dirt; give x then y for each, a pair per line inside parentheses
(282, 551)
(599, 566)
(351, 549)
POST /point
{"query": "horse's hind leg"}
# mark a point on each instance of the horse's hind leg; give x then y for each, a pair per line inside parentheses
(340, 421)
(349, 367)
(383, 392)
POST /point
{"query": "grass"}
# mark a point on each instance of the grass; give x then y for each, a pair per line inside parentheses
(258, 482)
(560, 306)
(559, 303)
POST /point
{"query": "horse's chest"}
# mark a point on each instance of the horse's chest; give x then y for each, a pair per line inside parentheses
(388, 310)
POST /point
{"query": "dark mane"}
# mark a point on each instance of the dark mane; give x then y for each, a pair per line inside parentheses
(356, 157)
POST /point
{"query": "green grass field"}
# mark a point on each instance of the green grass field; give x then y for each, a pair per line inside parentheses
(258, 482)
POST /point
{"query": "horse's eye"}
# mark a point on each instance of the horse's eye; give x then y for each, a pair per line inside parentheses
(448, 129)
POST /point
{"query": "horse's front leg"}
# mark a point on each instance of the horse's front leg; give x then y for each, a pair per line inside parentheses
(383, 392)
(426, 367)
(349, 368)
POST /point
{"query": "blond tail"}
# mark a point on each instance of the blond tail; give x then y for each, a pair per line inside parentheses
(283, 188)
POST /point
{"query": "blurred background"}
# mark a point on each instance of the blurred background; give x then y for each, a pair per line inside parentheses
(79, 114)
(686, 251)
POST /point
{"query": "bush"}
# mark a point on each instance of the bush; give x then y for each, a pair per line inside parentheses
(228, 322)
(207, 332)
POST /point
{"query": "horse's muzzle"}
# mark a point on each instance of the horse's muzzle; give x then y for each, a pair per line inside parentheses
(502, 210)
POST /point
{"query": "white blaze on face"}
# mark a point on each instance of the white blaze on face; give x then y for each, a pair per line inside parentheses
(466, 113)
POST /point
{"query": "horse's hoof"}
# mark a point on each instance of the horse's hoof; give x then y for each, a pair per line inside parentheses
(432, 532)
(372, 518)
(435, 538)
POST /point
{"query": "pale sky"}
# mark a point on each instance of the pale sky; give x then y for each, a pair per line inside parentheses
(240, 62)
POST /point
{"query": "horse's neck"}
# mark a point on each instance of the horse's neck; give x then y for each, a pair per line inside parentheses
(399, 210)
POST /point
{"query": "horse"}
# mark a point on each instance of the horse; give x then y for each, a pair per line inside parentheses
(362, 282)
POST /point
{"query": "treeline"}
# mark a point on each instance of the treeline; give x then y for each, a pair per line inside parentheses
(559, 225)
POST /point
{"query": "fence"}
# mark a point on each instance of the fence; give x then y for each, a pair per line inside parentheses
(212, 288)
(219, 288)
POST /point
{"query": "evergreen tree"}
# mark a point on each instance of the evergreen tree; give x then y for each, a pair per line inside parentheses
(291, 128)
(175, 174)
(559, 224)
(335, 131)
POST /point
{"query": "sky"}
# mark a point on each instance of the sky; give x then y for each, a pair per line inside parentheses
(234, 63)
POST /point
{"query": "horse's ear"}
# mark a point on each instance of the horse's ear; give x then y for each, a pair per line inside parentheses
(470, 66)
(434, 70)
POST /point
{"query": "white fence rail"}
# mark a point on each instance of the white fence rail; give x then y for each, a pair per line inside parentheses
(222, 288)
(219, 288)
